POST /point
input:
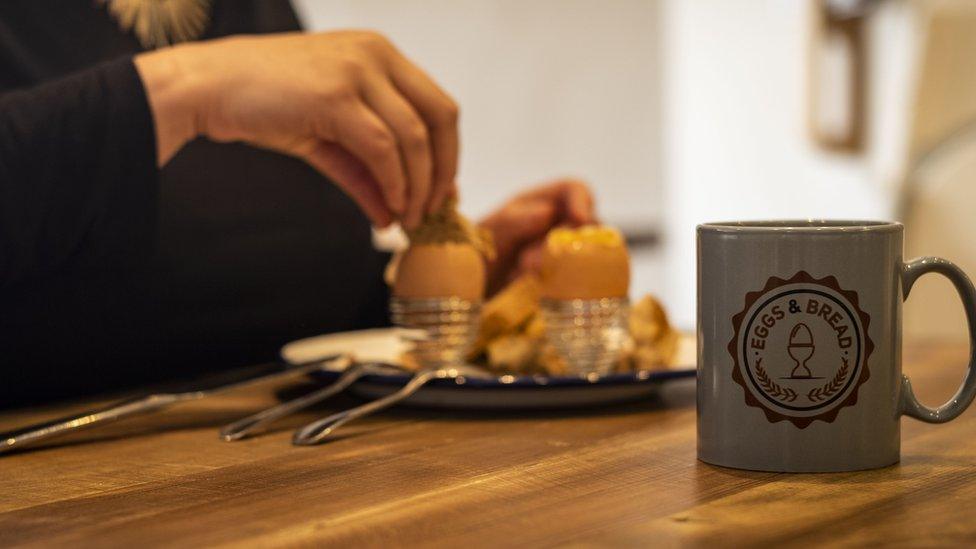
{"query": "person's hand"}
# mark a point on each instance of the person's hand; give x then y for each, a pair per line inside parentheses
(519, 227)
(348, 103)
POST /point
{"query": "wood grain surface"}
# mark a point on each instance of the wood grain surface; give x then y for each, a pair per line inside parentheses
(619, 476)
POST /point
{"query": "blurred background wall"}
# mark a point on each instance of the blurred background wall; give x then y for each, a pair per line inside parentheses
(684, 111)
(737, 144)
(546, 88)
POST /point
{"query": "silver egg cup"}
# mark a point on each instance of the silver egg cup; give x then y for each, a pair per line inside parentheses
(450, 326)
(588, 334)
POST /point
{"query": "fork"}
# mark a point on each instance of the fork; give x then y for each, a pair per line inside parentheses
(317, 431)
(351, 373)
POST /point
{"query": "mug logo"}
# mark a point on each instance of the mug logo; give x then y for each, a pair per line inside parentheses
(801, 349)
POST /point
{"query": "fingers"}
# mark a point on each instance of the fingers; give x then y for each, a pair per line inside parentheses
(354, 178)
(414, 143)
(580, 207)
(513, 228)
(572, 196)
(520, 226)
(364, 134)
(530, 259)
(440, 113)
(532, 214)
(520, 222)
(530, 220)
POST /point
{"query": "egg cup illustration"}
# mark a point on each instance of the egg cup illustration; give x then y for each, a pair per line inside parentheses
(801, 348)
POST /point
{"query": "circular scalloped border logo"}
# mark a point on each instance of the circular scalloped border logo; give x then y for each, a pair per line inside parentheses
(800, 349)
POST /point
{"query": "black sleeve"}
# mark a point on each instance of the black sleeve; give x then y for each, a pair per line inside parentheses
(78, 177)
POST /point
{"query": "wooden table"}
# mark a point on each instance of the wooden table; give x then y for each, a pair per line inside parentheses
(618, 476)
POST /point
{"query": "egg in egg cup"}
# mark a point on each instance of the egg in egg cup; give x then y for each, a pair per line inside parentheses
(585, 281)
(438, 288)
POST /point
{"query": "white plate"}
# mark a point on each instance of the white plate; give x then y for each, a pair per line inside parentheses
(504, 392)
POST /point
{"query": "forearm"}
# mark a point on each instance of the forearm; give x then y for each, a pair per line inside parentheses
(77, 171)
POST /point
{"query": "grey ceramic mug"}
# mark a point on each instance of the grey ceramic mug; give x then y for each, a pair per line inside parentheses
(799, 344)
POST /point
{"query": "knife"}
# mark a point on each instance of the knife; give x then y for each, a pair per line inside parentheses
(160, 398)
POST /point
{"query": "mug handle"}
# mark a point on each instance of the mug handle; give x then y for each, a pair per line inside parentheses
(909, 405)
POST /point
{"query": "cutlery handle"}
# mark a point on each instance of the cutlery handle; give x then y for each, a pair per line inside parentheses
(35, 433)
(317, 431)
(245, 427)
(150, 403)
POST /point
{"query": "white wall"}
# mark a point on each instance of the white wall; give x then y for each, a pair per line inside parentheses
(736, 143)
(546, 88)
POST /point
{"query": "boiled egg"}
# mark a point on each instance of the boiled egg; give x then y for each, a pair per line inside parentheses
(441, 270)
(590, 262)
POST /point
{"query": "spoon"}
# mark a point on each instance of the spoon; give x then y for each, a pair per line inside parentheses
(319, 430)
(352, 371)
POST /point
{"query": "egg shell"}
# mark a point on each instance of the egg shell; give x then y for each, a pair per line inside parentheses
(441, 270)
(587, 270)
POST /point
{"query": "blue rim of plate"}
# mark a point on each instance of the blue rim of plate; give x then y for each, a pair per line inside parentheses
(524, 382)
